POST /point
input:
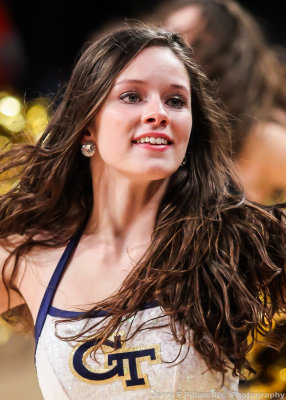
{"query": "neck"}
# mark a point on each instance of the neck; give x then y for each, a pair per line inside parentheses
(124, 210)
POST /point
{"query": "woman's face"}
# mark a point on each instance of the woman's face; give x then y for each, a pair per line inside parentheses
(143, 128)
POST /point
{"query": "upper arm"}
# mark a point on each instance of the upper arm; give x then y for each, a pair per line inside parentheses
(15, 298)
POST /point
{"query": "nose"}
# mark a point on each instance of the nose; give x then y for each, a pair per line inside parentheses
(155, 114)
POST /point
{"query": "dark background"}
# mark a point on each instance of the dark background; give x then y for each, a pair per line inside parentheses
(51, 33)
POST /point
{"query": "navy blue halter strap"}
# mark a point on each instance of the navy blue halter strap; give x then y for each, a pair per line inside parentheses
(46, 304)
(53, 284)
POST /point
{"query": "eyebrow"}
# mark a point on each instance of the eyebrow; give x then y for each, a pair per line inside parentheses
(138, 81)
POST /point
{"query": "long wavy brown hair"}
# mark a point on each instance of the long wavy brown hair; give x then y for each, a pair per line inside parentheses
(232, 50)
(216, 260)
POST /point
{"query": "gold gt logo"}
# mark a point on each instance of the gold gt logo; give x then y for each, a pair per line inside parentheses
(122, 364)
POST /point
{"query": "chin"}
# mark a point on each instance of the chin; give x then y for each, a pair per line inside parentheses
(157, 173)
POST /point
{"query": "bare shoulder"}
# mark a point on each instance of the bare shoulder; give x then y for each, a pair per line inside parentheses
(37, 269)
(34, 272)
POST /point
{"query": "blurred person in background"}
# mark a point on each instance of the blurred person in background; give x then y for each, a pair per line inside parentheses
(251, 79)
(12, 56)
(127, 236)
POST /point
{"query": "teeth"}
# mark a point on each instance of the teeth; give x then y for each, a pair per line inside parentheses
(152, 140)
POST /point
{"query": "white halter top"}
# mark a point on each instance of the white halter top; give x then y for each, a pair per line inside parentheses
(143, 368)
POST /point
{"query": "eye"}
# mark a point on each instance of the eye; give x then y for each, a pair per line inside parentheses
(130, 97)
(176, 102)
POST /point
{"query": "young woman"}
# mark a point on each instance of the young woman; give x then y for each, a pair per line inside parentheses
(129, 238)
(251, 80)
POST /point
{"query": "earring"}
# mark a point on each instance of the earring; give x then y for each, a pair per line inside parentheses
(88, 149)
(184, 162)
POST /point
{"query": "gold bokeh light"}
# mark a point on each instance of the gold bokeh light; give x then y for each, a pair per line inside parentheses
(10, 106)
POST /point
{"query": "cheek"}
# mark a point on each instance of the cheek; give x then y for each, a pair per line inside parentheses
(109, 144)
(116, 125)
(113, 139)
(184, 127)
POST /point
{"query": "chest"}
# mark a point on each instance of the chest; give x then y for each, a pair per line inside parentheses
(88, 276)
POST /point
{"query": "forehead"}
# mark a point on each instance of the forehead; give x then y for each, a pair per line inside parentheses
(156, 62)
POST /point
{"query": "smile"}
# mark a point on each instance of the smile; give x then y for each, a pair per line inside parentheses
(152, 140)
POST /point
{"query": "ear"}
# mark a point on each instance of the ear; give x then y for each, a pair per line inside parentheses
(88, 135)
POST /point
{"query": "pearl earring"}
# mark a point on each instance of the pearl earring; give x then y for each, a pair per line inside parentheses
(88, 149)
(184, 162)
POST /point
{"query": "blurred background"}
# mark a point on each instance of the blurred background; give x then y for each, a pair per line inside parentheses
(38, 46)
